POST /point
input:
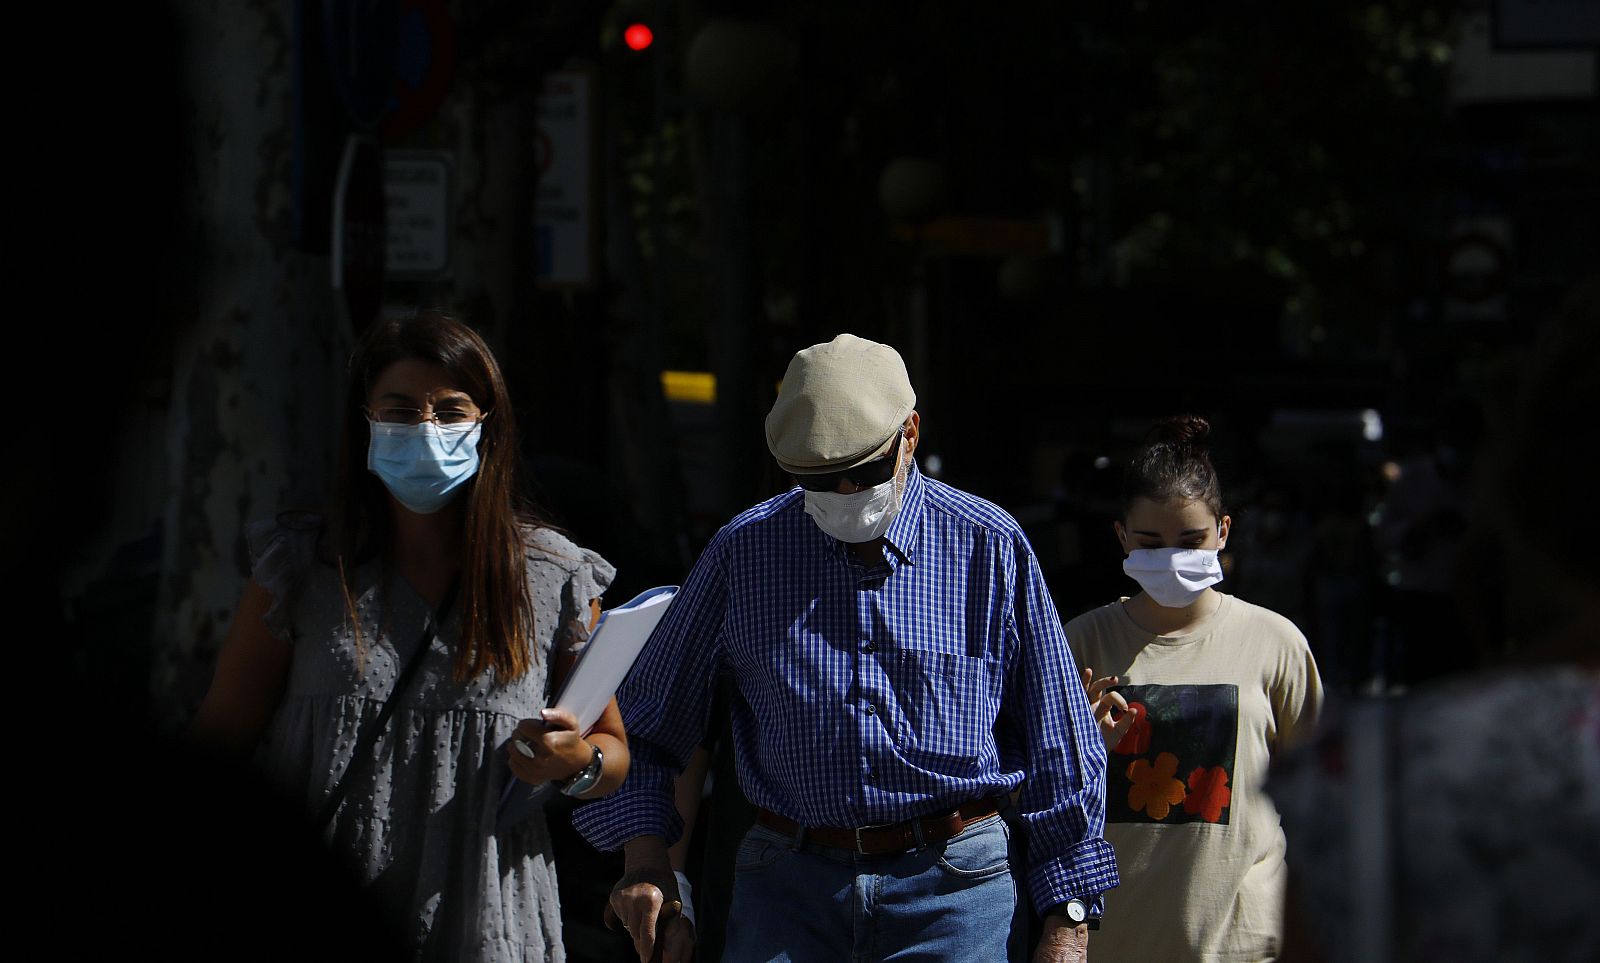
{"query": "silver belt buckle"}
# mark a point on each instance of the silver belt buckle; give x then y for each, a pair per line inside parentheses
(859, 848)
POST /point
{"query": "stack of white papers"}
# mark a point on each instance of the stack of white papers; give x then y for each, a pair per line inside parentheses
(613, 647)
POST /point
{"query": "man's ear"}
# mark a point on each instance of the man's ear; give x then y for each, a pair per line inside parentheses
(913, 427)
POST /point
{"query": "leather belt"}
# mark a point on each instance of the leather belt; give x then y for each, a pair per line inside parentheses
(887, 838)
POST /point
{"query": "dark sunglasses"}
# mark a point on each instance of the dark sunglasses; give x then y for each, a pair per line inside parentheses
(866, 475)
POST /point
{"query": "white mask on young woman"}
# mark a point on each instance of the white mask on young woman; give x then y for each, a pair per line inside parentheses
(1174, 577)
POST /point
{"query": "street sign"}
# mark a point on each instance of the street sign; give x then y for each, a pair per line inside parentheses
(564, 237)
(416, 188)
(424, 67)
(1477, 266)
(361, 39)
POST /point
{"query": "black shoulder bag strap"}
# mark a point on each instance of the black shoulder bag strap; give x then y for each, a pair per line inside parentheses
(369, 735)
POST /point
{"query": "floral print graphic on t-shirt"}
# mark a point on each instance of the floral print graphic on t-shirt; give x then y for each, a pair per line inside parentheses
(1136, 741)
(1208, 793)
(1182, 755)
(1154, 790)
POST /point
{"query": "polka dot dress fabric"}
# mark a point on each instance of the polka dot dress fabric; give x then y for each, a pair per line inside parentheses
(418, 821)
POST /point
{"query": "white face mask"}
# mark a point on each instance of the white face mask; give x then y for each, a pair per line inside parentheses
(859, 516)
(1174, 577)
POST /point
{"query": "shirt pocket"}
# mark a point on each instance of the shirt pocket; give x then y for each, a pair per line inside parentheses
(947, 707)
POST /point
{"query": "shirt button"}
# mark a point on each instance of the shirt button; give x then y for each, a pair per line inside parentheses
(872, 710)
(867, 648)
(871, 776)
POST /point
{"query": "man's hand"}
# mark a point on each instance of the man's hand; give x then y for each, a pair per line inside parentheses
(676, 943)
(645, 902)
(1110, 709)
(1062, 942)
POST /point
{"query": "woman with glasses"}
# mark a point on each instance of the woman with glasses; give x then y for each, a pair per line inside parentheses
(389, 662)
(1195, 690)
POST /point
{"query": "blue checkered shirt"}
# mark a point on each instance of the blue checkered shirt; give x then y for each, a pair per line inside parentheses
(873, 695)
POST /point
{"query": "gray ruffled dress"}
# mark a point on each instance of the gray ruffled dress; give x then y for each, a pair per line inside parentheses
(419, 818)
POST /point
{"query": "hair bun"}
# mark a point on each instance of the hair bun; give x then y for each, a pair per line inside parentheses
(1183, 431)
(1174, 463)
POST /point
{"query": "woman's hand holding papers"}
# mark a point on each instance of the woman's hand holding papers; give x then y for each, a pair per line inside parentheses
(548, 748)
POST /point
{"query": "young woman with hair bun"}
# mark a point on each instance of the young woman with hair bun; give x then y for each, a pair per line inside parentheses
(388, 663)
(1195, 690)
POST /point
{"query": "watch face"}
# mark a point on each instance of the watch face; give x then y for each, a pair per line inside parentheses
(584, 779)
(1076, 911)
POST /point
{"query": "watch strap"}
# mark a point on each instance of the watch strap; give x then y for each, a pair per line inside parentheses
(1086, 911)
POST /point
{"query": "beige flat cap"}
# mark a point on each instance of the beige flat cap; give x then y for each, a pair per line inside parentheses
(839, 406)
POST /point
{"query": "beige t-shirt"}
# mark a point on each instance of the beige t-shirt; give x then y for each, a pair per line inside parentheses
(1199, 848)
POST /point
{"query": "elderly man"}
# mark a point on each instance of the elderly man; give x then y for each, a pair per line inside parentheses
(899, 671)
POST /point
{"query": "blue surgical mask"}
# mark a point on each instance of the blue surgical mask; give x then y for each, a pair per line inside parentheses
(422, 465)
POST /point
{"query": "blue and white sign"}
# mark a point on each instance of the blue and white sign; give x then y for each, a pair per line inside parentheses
(416, 189)
(564, 206)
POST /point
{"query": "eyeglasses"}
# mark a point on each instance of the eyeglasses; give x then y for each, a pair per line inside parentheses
(866, 475)
(452, 414)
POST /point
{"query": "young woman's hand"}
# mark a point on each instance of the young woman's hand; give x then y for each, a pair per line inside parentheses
(558, 752)
(1109, 708)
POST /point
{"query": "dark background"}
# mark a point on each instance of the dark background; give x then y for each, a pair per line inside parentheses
(1299, 221)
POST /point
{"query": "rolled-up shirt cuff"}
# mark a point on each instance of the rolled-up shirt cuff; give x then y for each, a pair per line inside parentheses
(1086, 871)
(609, 822)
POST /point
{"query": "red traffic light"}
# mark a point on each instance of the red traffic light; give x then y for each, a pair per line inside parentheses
(638, 36)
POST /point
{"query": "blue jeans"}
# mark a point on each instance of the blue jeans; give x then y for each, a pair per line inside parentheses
(947, 901)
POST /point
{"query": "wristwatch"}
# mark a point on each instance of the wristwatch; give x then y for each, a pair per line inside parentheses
(584, 779)
(1076, 911)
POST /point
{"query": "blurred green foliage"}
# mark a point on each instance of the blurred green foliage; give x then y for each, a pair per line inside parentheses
(1279, 149)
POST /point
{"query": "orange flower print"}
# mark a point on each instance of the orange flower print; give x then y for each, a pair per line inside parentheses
(1154, 789)
(1136, 741)
(1209, 794)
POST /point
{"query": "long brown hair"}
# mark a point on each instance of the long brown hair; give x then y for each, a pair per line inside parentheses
(497, 619)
